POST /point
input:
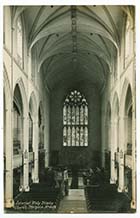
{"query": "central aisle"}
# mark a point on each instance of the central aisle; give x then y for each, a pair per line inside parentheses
(73, 203)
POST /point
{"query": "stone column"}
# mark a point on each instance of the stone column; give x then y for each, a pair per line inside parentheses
(35, 175)
(29, 64)
(121, 154)
(133, 202)
(103, 138)
(46, 144)
(9, 202)
(46, 159)
(113, 138)
(26, 154)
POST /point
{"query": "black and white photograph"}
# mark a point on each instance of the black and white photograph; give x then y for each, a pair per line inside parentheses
(69, 109)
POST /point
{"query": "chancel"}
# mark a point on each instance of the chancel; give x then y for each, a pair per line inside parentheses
(69, 109)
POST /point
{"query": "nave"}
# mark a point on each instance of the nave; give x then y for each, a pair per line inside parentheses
(69, 100)
(89, 194)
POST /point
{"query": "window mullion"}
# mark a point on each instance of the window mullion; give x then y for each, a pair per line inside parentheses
(75, 121)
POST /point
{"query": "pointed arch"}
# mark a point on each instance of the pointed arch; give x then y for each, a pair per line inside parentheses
(128, 101)
(21, 86)
(33, 105)
(108, 112)
(123, 96)
(115, 107)
(7, 89)
(128, 120)
(41, 112)
(6, 104)
(18, 121)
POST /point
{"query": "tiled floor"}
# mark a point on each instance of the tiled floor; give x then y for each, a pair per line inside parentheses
(75, 202)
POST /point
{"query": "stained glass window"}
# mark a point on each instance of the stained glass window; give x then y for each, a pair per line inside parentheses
(75, 120)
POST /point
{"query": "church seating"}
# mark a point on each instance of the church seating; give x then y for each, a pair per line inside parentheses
(105, 198)
(40, 199)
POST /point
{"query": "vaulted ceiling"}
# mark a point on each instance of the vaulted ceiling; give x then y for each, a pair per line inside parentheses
(74, 43)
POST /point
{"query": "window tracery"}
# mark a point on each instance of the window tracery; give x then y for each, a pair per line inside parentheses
(75, 120)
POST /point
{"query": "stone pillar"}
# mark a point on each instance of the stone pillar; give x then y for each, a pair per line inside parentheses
(46, 145)
(121, 171)
(46, 159)
(9, 202)
(103, 138)
(121, 154)
(26, 154)
(35, 175)
(29, 64)
(133, 202)
(113, 138)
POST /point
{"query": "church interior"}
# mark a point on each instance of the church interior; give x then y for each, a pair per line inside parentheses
(69, 109)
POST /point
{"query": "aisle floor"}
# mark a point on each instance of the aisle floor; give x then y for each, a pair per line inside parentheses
(73, 203)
